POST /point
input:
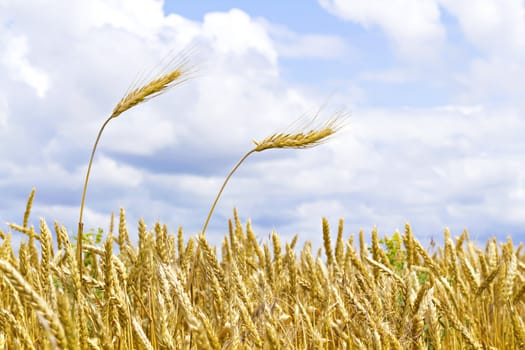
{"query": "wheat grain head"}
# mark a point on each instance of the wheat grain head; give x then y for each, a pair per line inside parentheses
(179, 70)
(303, 138)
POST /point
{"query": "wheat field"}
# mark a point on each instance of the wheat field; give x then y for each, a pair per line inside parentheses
(168, 292)
(103, 290)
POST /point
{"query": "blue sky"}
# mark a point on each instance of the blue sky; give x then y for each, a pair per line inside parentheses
(434, 89)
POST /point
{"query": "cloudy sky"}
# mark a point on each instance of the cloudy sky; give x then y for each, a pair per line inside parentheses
(435, 89)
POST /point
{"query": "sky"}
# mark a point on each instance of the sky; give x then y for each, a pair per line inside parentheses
(434, 90)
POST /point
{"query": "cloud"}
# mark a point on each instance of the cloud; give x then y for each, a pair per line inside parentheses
(4, 110)
(457, 163)
(139, 137)
(494, 26)
(496, 31)
(495, 80)
(15, 59)
(413, 26)
(290, 44)
(481, 45)
(312, 46)
(392, 76)
(235, 32)
(238, 96)
(110, 173)
(142, 18)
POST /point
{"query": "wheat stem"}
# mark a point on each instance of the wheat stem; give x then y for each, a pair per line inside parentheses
(222, 188)
(296, 140)
(80, 223)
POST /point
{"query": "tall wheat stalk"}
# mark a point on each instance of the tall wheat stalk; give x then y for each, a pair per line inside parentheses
(176, 72)
(293, 140)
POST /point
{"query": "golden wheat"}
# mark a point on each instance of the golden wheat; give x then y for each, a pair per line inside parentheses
(255, 294)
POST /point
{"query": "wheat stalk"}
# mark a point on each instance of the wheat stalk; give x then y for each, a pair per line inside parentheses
(252, 297)
(295, 140)
(28, 207)
(333, 308)
(27, 293)
(177, 73)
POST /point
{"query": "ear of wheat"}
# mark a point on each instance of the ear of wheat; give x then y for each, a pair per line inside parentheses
(178, 70)
(303, 138)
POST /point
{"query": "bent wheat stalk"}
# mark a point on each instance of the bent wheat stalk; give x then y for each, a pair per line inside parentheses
(298, 140)
(176, 72)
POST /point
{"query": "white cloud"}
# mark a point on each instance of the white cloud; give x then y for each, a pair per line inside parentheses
(235, 32)
(228, 104)
(52, 213)
(314, 46)
(485, 64)
(14, 50)
(495, 26)
(391, 76)
(18, 175)
(413, 25)
(454, 165)
(516, 196)
(4, 110)
(294, 45)
(141, 132)
(496, 80)
(110, 173)
(140, 17)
